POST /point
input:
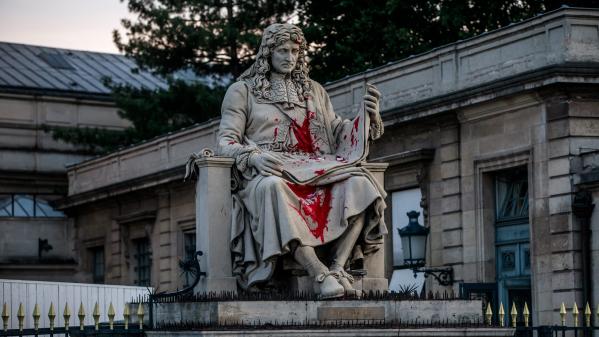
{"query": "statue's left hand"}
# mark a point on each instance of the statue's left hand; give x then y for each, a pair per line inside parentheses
(371, 101)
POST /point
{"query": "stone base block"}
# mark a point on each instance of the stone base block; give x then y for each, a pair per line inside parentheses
(366, 332)
(318, 312)
(217, 285)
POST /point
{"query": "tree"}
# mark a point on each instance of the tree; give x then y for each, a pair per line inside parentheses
(221, 36)
(208, 36)
(350, 36)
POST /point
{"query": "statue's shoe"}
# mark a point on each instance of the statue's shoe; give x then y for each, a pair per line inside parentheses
(327, 286)
(346, 281)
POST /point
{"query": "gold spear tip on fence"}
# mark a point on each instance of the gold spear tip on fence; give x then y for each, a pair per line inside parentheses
(21, 311)
(81, 315)
(501, 314)
(66, 314)
(140, 315)
(36, 316)
(562, 313)
(526, 314)
(21, 316)
(5, 316)
(587, 315)
(36, 311)
(51, 315)
(51, 312)
(489, 313)
(96, 316)
(575, 314)
(126, 315)
(514, 314)
(111, 315)
(5, 312)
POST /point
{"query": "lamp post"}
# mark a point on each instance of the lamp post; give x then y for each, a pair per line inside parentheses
(413, 241)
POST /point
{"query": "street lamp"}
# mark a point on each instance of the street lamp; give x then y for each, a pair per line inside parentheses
(413, 241)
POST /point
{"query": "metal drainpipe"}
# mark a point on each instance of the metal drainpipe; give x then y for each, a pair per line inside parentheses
(582, 207)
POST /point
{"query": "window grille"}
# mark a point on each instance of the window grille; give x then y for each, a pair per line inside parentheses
(28, 205)
(143, 262)
(189, 244)
(511, 189)
(98, 264)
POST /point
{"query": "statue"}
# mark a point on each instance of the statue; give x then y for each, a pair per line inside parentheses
(275, 120)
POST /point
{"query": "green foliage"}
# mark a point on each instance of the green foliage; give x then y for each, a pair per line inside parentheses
(354, 35)
(204, 35)
(154, 113)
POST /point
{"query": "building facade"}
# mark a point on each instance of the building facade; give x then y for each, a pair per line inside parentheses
(491, 139)
(44, 87)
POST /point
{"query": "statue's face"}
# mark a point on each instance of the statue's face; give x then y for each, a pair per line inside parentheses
(284, 57)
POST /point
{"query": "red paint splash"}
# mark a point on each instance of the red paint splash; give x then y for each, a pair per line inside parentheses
(319, 172)
(232, 142)
(305, 142)
(315, 203)
(276, 133)
(354, 140)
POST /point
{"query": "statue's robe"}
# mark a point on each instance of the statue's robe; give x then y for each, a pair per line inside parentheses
(270, 212)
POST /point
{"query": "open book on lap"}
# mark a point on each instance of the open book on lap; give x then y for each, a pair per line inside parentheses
(352, 148)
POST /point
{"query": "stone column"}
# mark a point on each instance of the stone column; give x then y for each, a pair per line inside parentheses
(375, 263)
(213, 224)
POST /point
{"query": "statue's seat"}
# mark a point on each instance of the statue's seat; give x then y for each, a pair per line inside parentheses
(213, 232)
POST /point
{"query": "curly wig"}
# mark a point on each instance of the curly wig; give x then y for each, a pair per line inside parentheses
(258, 74)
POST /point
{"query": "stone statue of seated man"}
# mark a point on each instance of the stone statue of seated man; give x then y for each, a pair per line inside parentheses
(274, 117)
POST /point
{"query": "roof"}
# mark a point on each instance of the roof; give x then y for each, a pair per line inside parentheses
(64, 72)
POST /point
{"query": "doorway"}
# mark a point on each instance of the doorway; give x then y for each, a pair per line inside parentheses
(512, 239)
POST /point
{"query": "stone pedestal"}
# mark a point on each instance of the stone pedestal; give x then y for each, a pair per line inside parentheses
(213, 230)
(375, 264)
(213, 224)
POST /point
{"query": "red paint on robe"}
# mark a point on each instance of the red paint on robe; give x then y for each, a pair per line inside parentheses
(354, 140)
(276, 133)
(232, 142)
(315, 203)
(319, 172)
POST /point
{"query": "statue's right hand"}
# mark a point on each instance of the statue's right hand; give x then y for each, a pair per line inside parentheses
(266, 164)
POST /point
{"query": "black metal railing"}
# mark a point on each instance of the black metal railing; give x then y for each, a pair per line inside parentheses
(88, 331)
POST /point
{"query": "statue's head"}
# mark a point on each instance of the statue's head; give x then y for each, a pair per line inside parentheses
(282, 50)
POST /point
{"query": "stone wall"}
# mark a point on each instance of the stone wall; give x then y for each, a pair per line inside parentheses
(32, 163)
(161, 215)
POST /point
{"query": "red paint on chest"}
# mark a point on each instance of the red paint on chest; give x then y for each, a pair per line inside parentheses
(305, 141)
(232, 142)
(315, 203)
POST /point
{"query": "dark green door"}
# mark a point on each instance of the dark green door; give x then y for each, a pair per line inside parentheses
(512, 240)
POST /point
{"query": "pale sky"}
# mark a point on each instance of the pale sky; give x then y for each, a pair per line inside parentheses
(72, 24)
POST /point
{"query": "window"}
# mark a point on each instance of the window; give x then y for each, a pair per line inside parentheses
(143, 262)
(402, 202)
(190, 250)
(511, 190)
(28, 205)
(97, 255)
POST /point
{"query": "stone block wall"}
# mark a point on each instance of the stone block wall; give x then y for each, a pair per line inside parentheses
(161, 215)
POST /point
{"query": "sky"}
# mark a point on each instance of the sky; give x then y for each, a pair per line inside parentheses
(71, 24)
